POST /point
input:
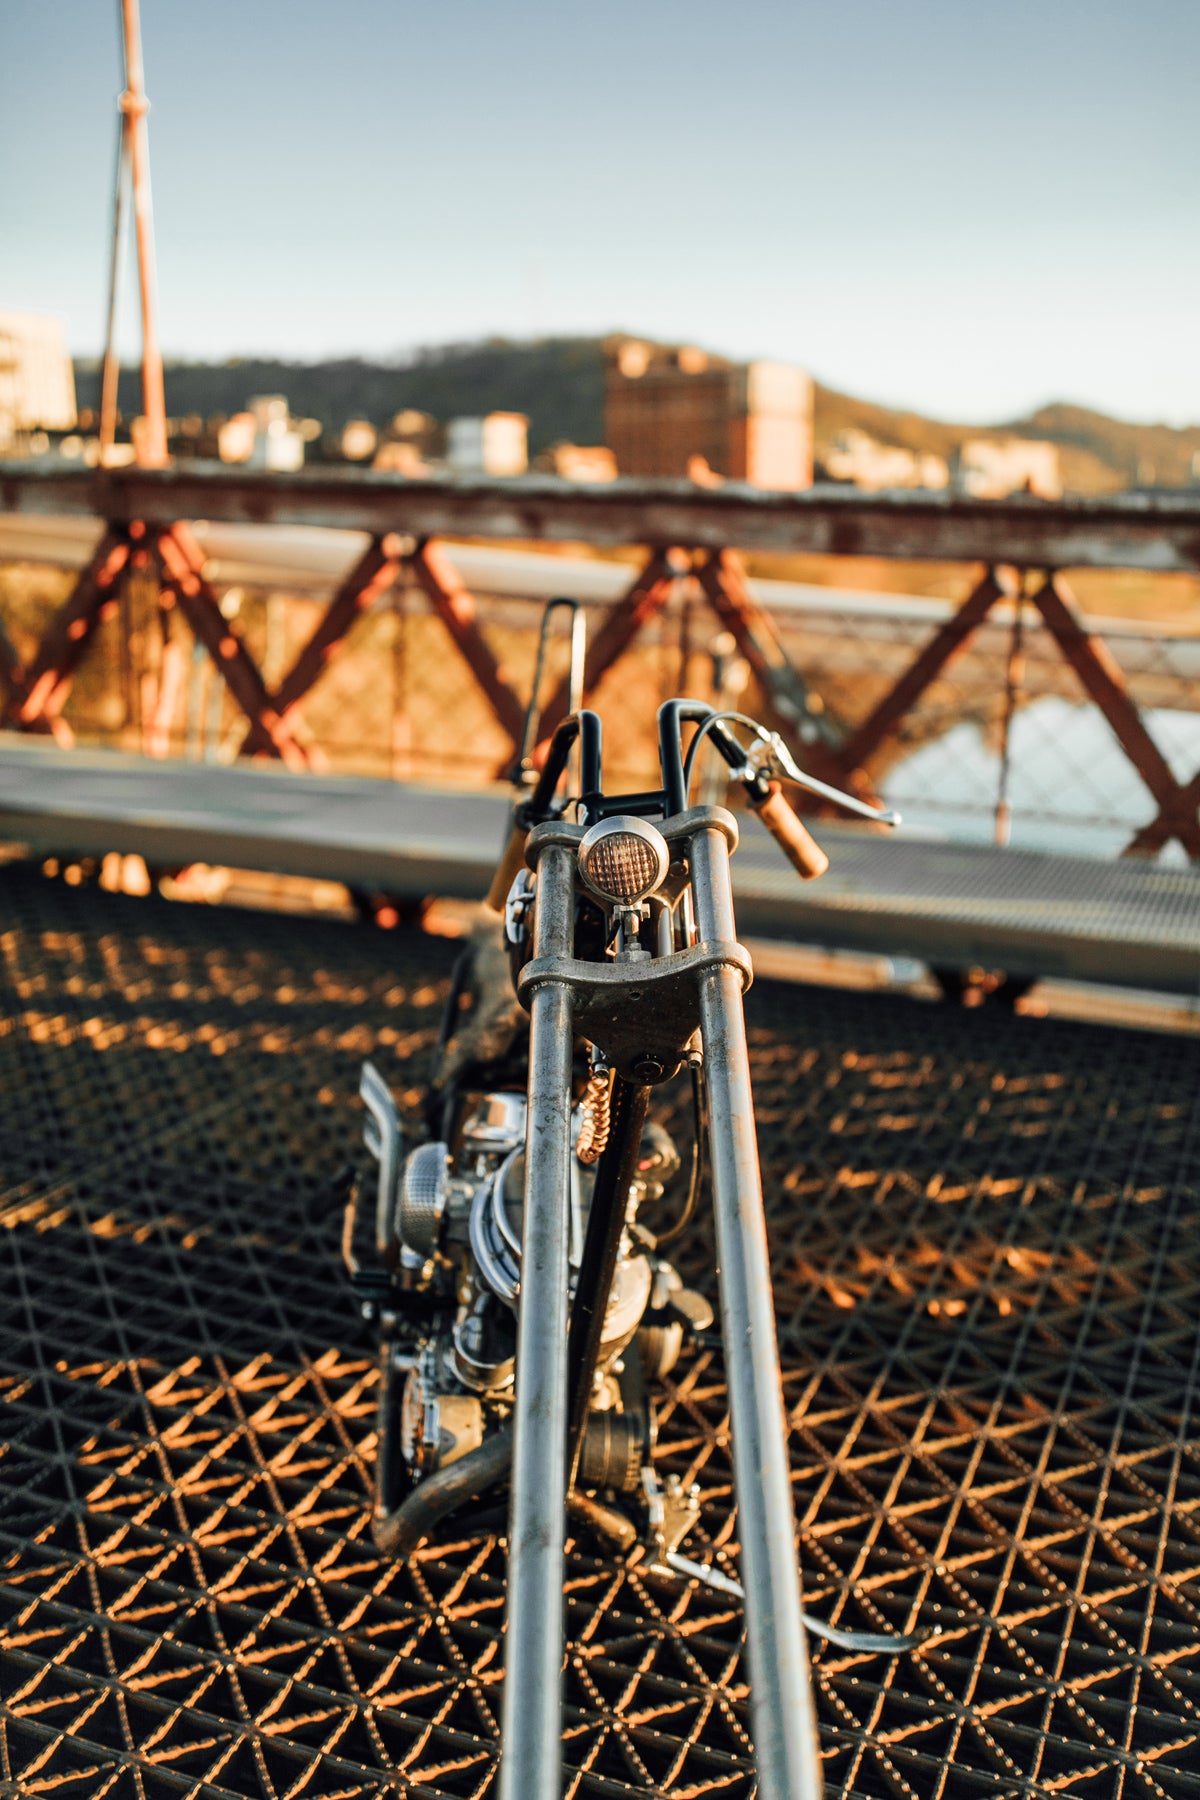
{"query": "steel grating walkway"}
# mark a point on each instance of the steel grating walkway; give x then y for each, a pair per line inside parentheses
(987, 1254)
(1132, 921)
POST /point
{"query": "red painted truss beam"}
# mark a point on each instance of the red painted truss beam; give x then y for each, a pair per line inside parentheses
(455, 607)
(945, 644)
(643, 601)
(181, 563)
(793, 709)
(1104, 684)
(37, 697)
(371, 576)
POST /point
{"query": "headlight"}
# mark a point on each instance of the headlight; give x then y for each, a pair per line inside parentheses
(623, 859)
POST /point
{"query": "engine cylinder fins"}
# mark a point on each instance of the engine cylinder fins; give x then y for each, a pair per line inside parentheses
(424, 1193)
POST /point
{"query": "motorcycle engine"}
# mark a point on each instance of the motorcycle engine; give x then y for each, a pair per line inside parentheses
(456, 1236)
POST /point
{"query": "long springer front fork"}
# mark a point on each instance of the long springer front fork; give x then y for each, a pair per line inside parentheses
(531, 1729)
(782, 1711)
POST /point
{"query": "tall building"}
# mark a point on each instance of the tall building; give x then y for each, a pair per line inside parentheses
(37, 381)
(676, 410)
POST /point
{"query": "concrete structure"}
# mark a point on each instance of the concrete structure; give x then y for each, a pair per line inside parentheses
(496, 444)
(578, 462)
(277, 442)
(37, 381)
(265, 436)
(411, 444)
(676, 410)
(993, 468)
(400, 458)
(856, 456)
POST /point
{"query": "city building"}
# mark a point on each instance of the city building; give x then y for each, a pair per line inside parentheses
(857, 457)
(676, 410)
(578, 462)
(410, 443)
(496, 444)
(37, 382)
(278, 443)
(265, 436)
(991, 468)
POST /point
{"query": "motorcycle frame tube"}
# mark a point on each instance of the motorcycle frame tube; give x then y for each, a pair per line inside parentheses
(531, 1730)
(782, 1709)
(615, 1173)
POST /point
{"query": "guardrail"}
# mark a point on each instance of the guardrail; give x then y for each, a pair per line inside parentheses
(1018, 615)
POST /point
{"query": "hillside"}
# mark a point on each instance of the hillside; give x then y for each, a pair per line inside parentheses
(559, 384)
(1148, 455)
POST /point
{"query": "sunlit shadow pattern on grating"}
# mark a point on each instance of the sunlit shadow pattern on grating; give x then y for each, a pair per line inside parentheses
(985, 1239)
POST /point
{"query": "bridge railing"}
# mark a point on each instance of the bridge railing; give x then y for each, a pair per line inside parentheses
(1002, 712)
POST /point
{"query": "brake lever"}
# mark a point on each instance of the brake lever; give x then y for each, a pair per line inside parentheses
(786, 766)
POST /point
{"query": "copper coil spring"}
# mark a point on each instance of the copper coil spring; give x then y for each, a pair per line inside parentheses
(597, 1116)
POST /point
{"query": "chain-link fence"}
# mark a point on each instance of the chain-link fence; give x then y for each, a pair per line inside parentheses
(1002, 745)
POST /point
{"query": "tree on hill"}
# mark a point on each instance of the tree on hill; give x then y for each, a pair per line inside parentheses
(558, 383)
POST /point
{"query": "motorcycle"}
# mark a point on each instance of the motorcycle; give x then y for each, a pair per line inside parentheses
(517, 1278)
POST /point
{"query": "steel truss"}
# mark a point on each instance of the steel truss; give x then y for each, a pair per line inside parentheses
(680, 526)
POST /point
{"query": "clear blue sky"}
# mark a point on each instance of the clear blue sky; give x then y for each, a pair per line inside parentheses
(968, 208)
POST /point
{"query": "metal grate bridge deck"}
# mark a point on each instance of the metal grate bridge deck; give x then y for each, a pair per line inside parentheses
(986, 1252)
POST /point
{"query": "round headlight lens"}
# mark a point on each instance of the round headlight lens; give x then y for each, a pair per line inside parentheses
(623, 859)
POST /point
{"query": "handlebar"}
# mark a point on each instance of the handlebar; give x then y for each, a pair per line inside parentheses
(761, 768)
(801, 849)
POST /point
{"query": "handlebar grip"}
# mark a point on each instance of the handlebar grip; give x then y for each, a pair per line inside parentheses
(802, 851)
(506, 870)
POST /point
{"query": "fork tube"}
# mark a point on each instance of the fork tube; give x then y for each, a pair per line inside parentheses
(531, 1746)
(783, 1714)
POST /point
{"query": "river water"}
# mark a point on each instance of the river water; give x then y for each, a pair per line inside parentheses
(1071, 788)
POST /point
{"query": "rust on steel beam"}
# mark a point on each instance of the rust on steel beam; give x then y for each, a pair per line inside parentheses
(182, 564)
(646, 598)
(1104, 684)
(38, 701)
(446, 591)
(943, 646)
(370, 577)
(795, 707)
(1159, 533)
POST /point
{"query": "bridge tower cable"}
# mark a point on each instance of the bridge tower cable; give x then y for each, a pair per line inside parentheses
(133, 176)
